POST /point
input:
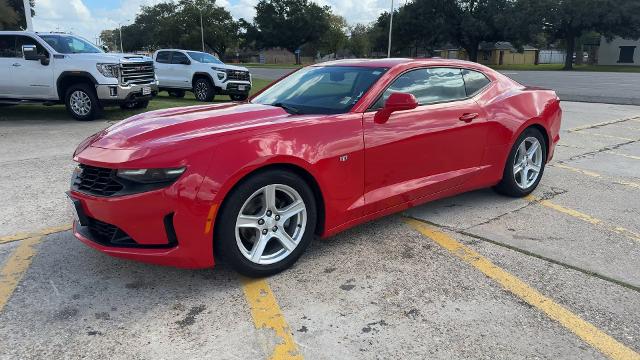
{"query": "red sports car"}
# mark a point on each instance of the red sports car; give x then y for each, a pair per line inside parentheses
(323, 149)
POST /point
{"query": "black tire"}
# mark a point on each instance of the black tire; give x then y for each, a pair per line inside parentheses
(86, 91)
(176, 93)
(226, 247)
(240, 97)
(203, 90)
(508, 185)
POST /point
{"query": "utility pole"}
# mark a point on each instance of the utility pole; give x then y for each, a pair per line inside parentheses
(390, 29)
(201, 30)
(121, 49)
(27, 14)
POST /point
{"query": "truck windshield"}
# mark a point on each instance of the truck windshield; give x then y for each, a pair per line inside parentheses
(69, 44)
(320, 89)
(203, 57)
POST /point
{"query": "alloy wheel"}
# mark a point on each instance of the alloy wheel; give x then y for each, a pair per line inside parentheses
(201, 90)
(527, 162)
(271, 224)
(80, 103)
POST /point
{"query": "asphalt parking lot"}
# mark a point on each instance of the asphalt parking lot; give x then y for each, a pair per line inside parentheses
(555, 275)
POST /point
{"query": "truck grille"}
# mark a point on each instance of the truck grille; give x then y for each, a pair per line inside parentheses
(237, 75)
(137, 73)
(96, 181)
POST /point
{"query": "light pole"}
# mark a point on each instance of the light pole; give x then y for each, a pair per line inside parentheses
(390, 29)
(201, 29)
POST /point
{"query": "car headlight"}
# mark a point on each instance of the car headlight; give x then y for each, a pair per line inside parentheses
(151, 176)
(108, 70)
(221, 72)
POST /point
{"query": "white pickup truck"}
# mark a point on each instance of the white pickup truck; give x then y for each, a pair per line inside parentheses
(202, 73)
(54, 68)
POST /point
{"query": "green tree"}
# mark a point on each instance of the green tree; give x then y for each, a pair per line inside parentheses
(568, 20)
(359, 43)
(471, 22)
(335, 38)
(12, 14)
(291, 23)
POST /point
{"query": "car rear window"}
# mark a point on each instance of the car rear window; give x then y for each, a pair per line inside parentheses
(474, 81)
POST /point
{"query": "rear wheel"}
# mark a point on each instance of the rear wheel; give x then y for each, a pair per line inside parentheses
(203, 90)
(82, 102)
(525, 164)
(266, 223)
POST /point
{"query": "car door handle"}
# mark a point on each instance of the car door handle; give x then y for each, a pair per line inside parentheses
(16, 65)
(468, 117)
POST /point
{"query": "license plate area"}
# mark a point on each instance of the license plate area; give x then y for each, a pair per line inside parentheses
(146, 90)
(242, 87)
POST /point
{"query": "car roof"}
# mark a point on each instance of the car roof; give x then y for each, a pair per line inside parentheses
(393, 62)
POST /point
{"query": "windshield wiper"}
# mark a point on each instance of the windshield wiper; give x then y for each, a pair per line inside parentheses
(288, 108)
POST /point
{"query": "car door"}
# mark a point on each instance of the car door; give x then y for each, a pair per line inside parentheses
(434, 147)
(8, 57)
(181, 70)
(163, 68)
(35, 77)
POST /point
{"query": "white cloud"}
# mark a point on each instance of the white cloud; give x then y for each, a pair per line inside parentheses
(76, 17)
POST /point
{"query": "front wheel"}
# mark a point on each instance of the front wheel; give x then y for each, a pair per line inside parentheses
(203, 90)
(266, 223)
(82, 102)
(525, 165)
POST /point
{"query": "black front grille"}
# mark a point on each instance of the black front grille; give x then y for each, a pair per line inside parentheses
(137, 73)
(237, 75)
(107, 234)
(96, 181)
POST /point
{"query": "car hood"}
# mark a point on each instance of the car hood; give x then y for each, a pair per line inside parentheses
(172, 126)
(109, 57)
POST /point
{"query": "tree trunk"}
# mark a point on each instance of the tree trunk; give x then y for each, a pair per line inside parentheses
(579, 52)
(570, 42)
(472, 52)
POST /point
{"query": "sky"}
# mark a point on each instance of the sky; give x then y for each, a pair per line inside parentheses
(88, 17)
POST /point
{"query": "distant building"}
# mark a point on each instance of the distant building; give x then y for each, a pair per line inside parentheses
(499, 53)
(619, 51)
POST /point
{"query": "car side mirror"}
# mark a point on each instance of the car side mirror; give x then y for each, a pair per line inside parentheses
(395, 102)
(30, 52)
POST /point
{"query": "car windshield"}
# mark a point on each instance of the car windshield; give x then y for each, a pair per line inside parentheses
(69, 44)
(321, 89)
(204, 57)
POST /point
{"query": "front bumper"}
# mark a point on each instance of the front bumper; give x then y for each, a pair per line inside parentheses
(159, 227)
(118, 93)
(234, 88)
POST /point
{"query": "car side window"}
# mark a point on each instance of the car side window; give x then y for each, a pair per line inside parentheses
(8, 46)
(179, 58)
(163, 57)
(430, 85)
(26, 40)
(474, 81)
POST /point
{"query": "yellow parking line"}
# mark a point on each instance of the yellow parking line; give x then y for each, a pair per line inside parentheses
(583, 329)
(585, 217)
(624, 155)
(266, 314)
(15, 267)
(595, 175)
(603, 123)
(25, 235)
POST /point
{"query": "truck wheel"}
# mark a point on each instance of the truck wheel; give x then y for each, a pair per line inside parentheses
(241, 97)
(82, 102)
(176, 93)
(203, 90)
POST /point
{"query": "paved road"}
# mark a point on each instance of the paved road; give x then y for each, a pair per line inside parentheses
(598, 87)
(379, 291)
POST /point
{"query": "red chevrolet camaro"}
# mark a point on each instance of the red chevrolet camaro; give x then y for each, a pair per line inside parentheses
(321, 150)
